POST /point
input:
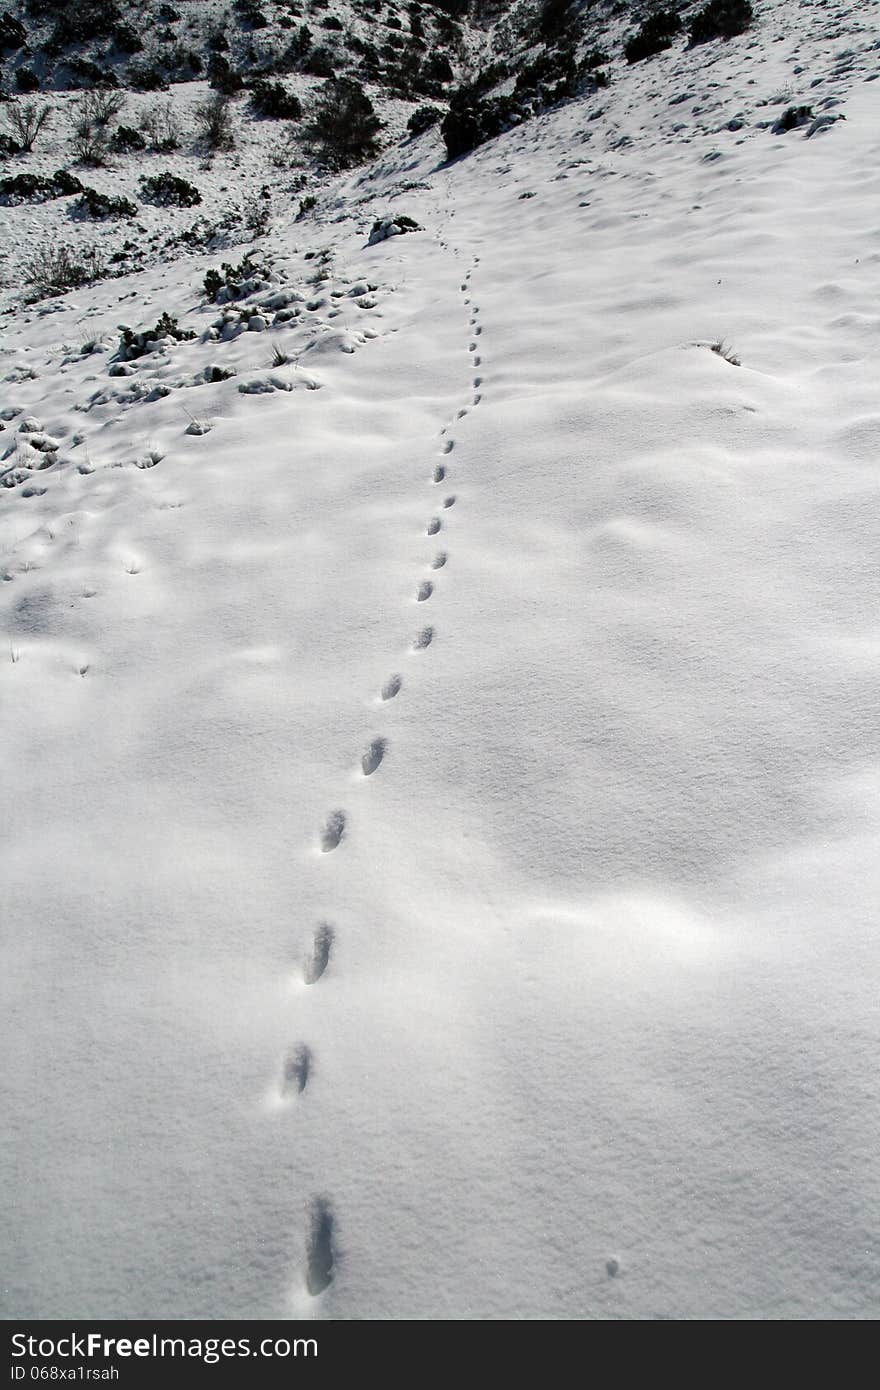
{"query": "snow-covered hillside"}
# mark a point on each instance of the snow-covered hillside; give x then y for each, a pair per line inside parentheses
(438, 703)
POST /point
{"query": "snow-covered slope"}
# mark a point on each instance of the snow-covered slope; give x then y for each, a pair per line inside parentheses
(441, 822)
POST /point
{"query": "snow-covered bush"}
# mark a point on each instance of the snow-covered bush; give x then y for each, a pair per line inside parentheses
(385, 227)
(135, 344)
(791, 118)
(235, 281)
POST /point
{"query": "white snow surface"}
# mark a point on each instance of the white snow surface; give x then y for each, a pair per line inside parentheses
(597, 1034)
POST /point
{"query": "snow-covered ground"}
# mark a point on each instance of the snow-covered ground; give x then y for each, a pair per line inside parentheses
(441, 816)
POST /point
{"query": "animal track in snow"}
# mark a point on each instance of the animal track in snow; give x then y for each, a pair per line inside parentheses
(424, 639)
(322, 944)
(439, 560)
(439, 474)
(426, 589)
(477, 361)
(478, 381)
(333, 831)
(477, 398)
(433, 526)
(373, 756)
(462, 413)
(449, 501)
(391, 687)
(472, 347)
(320, 1258)
(297, 1067)
(449, 446)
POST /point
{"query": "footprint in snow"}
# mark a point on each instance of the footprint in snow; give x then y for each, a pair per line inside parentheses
(373, 756)
(433, 526)
(333, 831)
(449, 501)
(322, 944)
(424, 639)
(320, 1258)
(297, 1066)
(391, 687)
(439, 560)
(449, 446)
(439, 474)
(426, 589)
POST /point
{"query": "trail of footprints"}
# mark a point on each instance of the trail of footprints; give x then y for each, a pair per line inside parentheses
(297, 1065)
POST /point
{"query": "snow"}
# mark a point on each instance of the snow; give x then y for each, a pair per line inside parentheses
(440, 838)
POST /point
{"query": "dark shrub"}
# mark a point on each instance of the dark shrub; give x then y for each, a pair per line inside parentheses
(437, 68)
(299, 46)
(250, 14)
(8, 147)
(169, 14)
(65, 183)
(170, 191)
(127, 39)
(12, 34)
(35, 188)
(223, 77)
(423, 118)
(144, 77)
(344, 125)
(554, 18)
(272, 99)
(656, 34)
(721, 19)
(26, 80)
(319, 63)
(88, 74)
(91, 203)
(472, 120)
(80, 23)
(125, 140)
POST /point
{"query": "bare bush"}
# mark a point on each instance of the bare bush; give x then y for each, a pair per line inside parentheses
(215, 122)
(26, 120)
(92, 114)
(54, 269)
(161, 127)
(99, 106)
